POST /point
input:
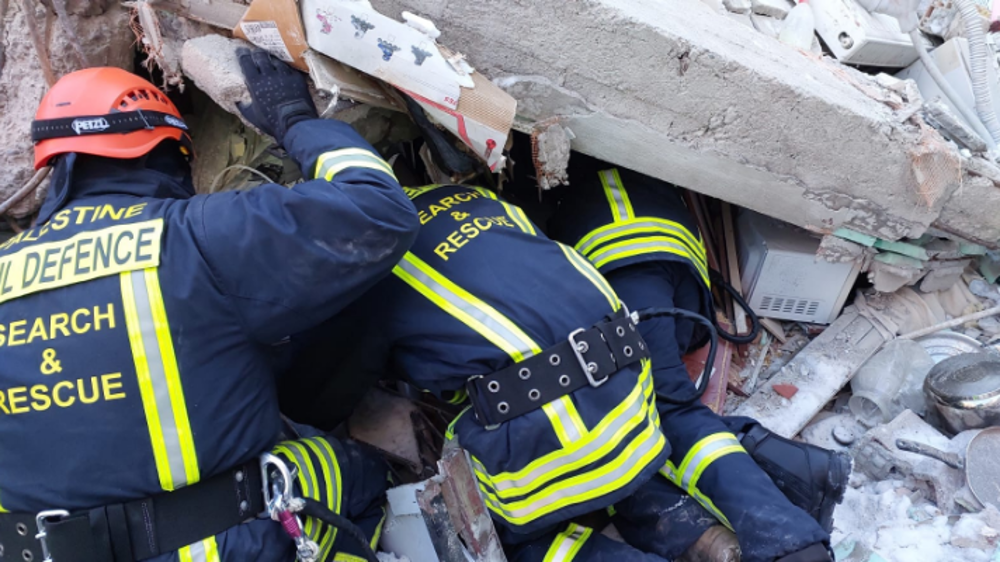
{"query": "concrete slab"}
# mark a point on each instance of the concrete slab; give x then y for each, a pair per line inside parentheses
(681, 92)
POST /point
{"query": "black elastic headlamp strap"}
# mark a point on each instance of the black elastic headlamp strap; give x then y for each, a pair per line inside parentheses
(124, 122)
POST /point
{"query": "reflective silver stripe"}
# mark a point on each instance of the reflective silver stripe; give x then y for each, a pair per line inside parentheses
(616, 194)
(569, 543)
(592, 274)
(558, 407)
(198, 552)
(602, 257)
(300, 462)
(487, 318)
(703, 451)
(158, 379)
(588, 488)
(603, 438)
(641, 227)
(331, 463)
(331, 163)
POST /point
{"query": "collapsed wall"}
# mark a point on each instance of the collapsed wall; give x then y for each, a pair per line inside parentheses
(100, 27)
(678, 91)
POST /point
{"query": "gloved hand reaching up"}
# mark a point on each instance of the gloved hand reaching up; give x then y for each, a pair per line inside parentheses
(279, 93)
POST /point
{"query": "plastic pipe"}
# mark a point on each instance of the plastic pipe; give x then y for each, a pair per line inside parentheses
(979, 60)
(949, 92)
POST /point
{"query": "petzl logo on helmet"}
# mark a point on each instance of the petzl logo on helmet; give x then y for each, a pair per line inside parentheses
(95, 125)
(175, 122)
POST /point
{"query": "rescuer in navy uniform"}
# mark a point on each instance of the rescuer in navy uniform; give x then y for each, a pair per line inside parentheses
(638, 233)
(137, 320)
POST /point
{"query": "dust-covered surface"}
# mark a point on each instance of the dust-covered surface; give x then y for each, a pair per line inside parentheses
(894, 520)
(101, 26)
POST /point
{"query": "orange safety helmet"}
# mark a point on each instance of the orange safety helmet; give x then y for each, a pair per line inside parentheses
(104, 111)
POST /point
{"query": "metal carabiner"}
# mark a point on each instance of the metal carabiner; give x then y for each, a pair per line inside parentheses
(276, 496)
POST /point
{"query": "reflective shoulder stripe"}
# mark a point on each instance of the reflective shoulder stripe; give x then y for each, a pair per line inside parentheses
(641, 225)
(621, 207)
(466, 308)
(568, 543)
(414, 192)
(595, 277)
(565, 419)
(520, 219)
(206, 550)
(643, 246)
(329, 164)
(159, 380)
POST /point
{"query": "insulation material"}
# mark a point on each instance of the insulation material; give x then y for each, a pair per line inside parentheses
(452, 93)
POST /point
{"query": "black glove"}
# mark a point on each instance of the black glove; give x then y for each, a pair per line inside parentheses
(279, 93)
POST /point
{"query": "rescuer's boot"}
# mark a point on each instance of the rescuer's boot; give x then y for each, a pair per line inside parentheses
(717, 544)
(811, 477)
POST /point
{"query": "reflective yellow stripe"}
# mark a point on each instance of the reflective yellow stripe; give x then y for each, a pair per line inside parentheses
(643, 246)
(600, 441)
(414, 192)
(166, 343)
(3, 509)
(641, 225)
(568, 543)
(565, 420)
(588, 271)
(331, 163)
(159, 380)
(611, 476)
(345, 557)
(378, 530)
(520, 219)
(696, 461)
(206, 550)
(466, 308)
(331, 476)
(621, 207)
(450, 432)
(298, 456)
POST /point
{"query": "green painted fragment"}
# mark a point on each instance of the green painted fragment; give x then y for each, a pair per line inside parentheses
(904, 248)
(848, 234)
(970, 249)
(898, 260)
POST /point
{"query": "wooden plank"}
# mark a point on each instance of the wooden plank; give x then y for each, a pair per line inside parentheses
(773, 326)
(729, 234)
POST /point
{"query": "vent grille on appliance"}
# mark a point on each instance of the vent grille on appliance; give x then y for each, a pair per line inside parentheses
(786, 305)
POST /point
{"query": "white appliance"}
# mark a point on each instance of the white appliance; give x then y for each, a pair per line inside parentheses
(952, 58)
(857, 37)
(782, 277)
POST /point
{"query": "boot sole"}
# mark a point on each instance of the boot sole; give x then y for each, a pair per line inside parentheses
(836, 487)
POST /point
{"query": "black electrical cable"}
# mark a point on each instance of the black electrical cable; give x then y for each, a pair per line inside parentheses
(716, 278)
(319, 511)
(713, 340)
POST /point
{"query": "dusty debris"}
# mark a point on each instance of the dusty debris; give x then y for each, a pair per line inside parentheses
(384, 421)
(550, 150)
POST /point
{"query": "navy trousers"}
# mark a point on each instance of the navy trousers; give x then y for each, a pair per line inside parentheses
(707, 463)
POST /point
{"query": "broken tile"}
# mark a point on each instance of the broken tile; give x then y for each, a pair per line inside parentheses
(786, 390)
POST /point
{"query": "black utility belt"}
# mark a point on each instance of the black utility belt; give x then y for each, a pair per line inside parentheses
(139, 529)
(588, 357)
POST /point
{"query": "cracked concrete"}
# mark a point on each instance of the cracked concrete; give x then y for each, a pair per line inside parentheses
(678, 91)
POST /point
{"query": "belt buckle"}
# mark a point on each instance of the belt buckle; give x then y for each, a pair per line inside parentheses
(579, 348)
(470, 388)
(40, 519)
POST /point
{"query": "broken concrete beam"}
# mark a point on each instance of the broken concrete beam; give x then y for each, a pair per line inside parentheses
(819, 371)
(780, 148)
(942, 275)
(737, 6)
(771, 8)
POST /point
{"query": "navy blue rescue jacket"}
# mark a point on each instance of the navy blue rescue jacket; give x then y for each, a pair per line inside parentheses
(483, 288)
(616, 217)
(135, 330)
